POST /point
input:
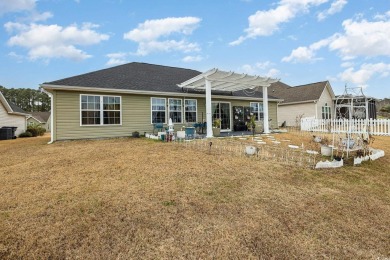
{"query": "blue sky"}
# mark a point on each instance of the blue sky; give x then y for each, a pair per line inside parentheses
(298, 41)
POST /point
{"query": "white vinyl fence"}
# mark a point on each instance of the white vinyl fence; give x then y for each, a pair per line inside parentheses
(357, 126)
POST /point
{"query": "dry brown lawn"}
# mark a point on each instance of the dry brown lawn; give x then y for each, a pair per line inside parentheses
(135, 198)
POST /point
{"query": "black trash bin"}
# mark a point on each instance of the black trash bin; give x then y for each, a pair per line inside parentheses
(13, 130)
(5, 133)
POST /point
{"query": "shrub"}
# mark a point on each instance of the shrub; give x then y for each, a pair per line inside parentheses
(386, 109)
(36, 130)
(25, 134)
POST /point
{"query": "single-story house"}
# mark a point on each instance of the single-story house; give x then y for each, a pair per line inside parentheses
(315, 100)
(117, 101)
(40, 118)
(12, 115)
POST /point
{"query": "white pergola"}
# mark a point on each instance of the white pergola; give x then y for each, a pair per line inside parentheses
(215, 79)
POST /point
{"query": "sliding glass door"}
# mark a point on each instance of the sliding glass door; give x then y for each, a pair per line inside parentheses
(222, 110)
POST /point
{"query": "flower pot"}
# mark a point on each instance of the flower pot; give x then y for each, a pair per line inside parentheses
(326, 150)
(250, 150)
(259, 129)
(181, 134)
(216, 132)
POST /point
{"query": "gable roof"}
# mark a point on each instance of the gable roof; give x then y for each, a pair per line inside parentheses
(300, 94)
(140, 77)
(11, 107)
(42, 117)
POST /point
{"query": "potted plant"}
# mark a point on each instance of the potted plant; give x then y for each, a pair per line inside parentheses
(135, 134)
(251, 124)
(326, 149)
(216, 127)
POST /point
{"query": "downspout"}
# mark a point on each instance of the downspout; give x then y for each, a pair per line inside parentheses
(315, 105)
(51, 115)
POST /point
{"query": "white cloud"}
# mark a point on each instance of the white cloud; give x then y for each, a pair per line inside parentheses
(144, 48)
(8, 6)
(148, 35)
(335, 7)
(366, 71)
(300, 54)
(117, 58)
(272, 73)
(35, 16)
(261, 69)
(154, 29)
(54, 41)
(382, 16)
(360, 38)
(347, 64)
(28, 6)
(192, 58)
(306, 54)
(265, 23)
(292, 37)
(18, 58)
(363, 38)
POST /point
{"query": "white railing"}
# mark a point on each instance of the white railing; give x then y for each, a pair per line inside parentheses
(356, 126)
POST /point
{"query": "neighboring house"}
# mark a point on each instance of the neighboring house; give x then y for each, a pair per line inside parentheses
(314, 100)
(12, 115)
(40, 118)
(116, 101)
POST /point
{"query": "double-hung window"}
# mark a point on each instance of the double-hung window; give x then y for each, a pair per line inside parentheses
(111, 110)
(257, 110)
(100, 110)
(326, 112)
(190, 108)
(158, 110)
(175, 110)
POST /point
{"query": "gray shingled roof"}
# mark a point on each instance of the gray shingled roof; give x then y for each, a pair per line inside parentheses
(41, 116)
(140, 76)
(15, 108)
(300, 93)
(132, 76)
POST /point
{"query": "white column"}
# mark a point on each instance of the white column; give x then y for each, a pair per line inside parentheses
(209, 118)
(265, 109)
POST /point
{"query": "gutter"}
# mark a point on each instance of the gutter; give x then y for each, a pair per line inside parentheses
(19, 114)
(142, 92)
(299, 102)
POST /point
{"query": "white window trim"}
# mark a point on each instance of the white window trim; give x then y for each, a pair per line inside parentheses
(101, 111)
(151, 109)
(196, 109)
(169, 110)
(231, 114)
(328, 112)
(258, 111)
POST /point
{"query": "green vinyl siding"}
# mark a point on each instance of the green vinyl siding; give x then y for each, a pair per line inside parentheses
(135, 113)
(135, 117)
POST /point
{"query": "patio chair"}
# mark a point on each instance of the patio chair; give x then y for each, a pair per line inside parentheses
(159, 127)
(190, 132)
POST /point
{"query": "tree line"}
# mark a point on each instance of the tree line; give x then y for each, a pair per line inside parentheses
(30, 100)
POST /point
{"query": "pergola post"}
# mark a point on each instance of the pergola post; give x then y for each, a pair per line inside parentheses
(209, 118)
(265, 109)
